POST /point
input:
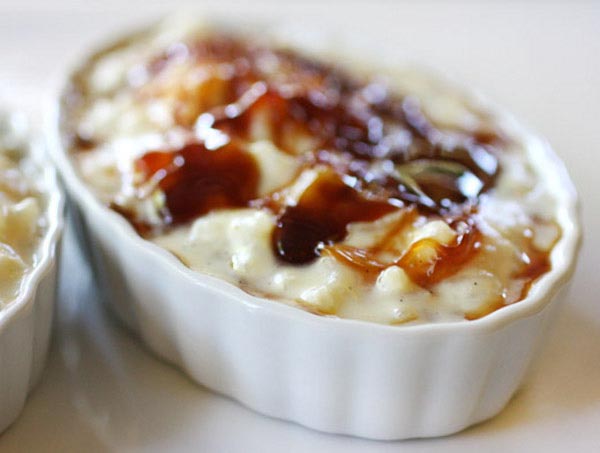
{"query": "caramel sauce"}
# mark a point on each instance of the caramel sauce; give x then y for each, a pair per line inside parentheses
(355, 127)
(196, 181)
(352, 119)
(321, 217)
(368, 262)
(538, 267)
(365, 262)
(537, 264)
(380, 151)
(81, 142)
(426, 261)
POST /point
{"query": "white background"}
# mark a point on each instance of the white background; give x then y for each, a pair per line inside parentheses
(102, 391)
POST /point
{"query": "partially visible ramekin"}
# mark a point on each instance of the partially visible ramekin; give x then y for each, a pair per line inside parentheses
(25, 322)
(333, 375)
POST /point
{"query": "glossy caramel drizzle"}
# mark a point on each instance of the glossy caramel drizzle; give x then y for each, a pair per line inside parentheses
(320, 218)
(382, 143)
(375, 152)
(196, 180)
(426, 261)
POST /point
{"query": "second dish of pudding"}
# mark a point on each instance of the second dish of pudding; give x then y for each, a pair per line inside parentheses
(23, 221)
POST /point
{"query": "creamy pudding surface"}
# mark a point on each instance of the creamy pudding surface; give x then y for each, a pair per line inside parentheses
(22, 219)
(386, 197)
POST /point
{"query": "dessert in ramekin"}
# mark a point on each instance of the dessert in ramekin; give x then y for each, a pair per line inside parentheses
(250, 207)
(30, 226)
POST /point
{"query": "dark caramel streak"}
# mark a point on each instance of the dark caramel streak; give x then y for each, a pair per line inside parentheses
(196, 180)
(321, 217)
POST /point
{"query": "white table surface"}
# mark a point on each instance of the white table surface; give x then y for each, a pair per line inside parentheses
(102, 391)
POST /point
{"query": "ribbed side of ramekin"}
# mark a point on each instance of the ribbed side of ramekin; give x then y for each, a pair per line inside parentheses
(350, 377)
(24, 346)
(25, 323)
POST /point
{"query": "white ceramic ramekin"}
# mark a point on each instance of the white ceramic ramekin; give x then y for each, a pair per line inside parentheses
(334, 375)
(25, 322)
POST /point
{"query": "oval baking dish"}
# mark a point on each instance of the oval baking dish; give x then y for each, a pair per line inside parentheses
(26, 318)
(335, 375)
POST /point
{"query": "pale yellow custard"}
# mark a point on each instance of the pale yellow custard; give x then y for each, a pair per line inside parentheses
(22, 221)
